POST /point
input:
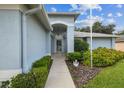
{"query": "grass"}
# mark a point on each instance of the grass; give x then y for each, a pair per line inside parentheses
(110, 77)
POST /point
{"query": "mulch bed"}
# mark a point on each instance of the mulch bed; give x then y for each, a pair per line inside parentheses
(82, 74)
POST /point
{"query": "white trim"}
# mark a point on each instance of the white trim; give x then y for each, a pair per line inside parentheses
(8, 74)
(61, 22)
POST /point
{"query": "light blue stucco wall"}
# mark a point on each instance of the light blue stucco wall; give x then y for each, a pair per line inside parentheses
(70, 39)
(68, 43)
(52, 44)
(102, 42)
(38, 40)
(10, 39)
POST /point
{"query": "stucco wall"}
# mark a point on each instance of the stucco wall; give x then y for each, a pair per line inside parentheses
(62, 19)
(102, 42)
(37, 40)
(52, 44)
(68, 45)
(10, 39)
(70, 39)
(119, 46)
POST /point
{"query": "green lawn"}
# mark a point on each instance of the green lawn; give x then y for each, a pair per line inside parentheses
(110, 77)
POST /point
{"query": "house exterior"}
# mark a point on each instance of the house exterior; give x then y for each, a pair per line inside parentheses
(119, 44)
(28, 33)
(24, 37)
(62, 36)
(99, 39)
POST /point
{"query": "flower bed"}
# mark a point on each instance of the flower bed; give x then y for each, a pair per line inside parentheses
(82, 74)
(102, 57)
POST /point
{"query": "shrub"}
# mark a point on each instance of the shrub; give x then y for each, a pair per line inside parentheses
(74, 56)
(103, 57)
(80, 45)
(36, 78)
(45, 61)
(5, 84)
(41, 75)
(23, 81)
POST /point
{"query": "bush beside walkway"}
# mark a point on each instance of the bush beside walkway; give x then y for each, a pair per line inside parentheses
(107, 71)
(36, 78)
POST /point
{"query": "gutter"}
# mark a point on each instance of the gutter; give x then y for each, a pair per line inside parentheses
(47, 18)
(39, 9)
(41, 12)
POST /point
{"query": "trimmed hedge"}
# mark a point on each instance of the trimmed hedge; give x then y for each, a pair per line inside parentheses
(80, 45)
(23, 81)
(74, 56)
(103, 57)
(45, 61)
(36, 78)
(5, 84)
(41, 75)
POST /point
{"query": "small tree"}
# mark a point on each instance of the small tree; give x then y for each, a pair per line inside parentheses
(98, 27)
(80, 45)
(121, 32)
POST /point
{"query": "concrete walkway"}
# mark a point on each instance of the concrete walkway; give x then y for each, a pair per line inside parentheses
(59, 76)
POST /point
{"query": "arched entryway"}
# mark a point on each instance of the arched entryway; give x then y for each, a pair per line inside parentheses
(59, 38)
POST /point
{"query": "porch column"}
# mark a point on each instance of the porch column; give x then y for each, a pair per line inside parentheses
(48, 43)
(70, 38)
(25, 67)
(113, 43)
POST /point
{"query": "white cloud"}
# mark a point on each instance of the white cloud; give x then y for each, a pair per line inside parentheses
(110, 15)
(96, 18)
(74, 7)
(119, 14)
(119, 6)
(82, 8)
(53, 9)
(88, 6)
(87, 21)
(119, 28)
(83, 23)
(109, 21)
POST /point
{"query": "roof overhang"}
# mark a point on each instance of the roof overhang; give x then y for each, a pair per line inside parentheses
(120, 38)
(74, 14)
(100, 35)
(41, 15)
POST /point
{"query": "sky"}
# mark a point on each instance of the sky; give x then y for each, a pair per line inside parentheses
(105, 13)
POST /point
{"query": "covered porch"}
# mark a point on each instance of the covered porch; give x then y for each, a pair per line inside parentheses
(59, 38)
(62, 36)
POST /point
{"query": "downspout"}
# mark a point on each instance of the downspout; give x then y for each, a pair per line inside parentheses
(25, 67)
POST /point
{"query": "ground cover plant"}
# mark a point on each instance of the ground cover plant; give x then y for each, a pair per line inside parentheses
(35, 78)
(103, 57)
(107, 70)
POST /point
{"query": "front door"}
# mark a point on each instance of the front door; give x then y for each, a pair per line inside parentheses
(59, 45)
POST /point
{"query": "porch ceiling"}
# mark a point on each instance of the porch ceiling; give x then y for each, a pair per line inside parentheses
(59, 28)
